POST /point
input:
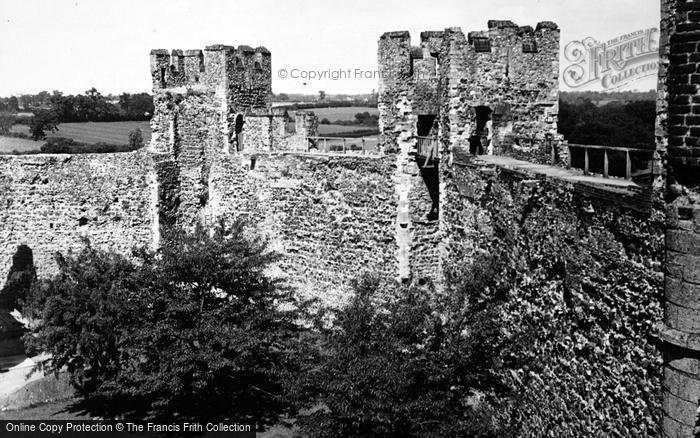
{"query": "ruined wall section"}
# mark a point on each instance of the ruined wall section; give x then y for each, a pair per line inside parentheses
(208, 103)
(332, 217)
(681, 331)
(518, 79)
(51, 202)
(426, 99)
(242, 75)
(407, 89)
(617, 277)
(188, 132)
(396, 90)
(456, 117)
(249, 72)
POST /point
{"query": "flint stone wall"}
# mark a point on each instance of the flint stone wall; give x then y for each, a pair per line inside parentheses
(52, 202)
(332, 217)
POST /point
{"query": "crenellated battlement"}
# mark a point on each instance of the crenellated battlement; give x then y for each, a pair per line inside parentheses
(217, 65)
(503, 41)
(508, 71)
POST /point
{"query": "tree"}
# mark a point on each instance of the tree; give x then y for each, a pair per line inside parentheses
(135, 139)
(615, 124)
(42, 98)
(195, 331)
(6, 122)
(43, 120)
(25, 101)
(136, 106)
(393, 367)
(13, 104)
(321, 95)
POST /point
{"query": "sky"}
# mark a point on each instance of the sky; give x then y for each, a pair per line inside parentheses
(72, 45)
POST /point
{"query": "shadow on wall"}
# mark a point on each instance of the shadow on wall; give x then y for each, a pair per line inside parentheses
(19, 280)
(432, 182)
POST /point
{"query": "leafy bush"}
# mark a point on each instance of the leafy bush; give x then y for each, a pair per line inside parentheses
(397, 369)
(136, 139)
(195, 331)
(58, 145)
(7, 119)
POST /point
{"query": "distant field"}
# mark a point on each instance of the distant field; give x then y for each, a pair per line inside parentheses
(96, 132)
(342, 113)
(334, 129)
(10, 144)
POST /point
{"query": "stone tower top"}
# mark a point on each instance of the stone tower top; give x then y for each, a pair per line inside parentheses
(215, 65)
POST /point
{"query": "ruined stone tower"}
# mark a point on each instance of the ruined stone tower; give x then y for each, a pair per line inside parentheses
(451, 84)
(207, 104)
(442, 96)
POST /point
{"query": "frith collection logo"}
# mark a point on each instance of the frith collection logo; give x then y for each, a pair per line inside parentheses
(614, 63)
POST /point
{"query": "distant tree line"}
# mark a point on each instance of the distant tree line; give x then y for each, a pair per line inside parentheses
(91, 106)
(629, 124)
(323, 98)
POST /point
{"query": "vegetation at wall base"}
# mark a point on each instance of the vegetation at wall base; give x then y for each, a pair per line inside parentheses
(392, 366)
(544, 329)
(547, 331)
(196, 330)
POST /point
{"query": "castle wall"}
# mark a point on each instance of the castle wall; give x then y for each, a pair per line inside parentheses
(242, 75)
(590, 323)
(51, 202)
(396, 90)
(423, 199)
(189, 129)
(520, 87)
(332, 217)
(510, 69)
(679, 119)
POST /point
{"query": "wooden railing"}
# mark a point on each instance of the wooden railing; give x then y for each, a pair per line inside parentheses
(606, 151)
(427, 147)
(361, 145)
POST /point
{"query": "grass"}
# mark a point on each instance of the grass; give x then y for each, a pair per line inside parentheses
(10, 144)
(334, 129)
(96, 132)
(341, 113)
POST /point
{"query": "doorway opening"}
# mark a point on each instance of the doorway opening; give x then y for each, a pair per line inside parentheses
(481, 136)
(424, 126)
(238, 131)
